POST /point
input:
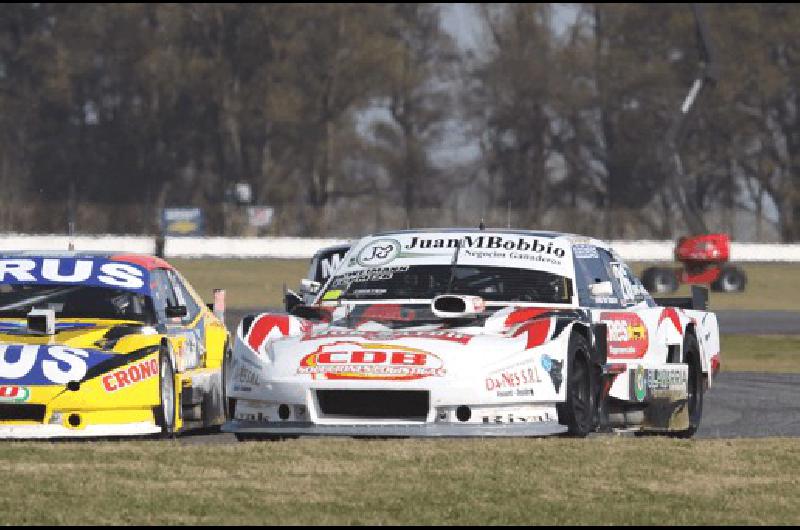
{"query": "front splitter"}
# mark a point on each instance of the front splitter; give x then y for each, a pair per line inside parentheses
(422, 430)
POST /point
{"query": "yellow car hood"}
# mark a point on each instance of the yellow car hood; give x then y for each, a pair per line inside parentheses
(37, 368)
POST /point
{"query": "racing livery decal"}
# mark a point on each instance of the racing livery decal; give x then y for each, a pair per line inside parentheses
(627, 335)
(83, 271)
(14, 394)
(46, 365)
(21, 328)
(519, 316)
(355, 360)
(262, 329)
(537, 332)
(671, 314)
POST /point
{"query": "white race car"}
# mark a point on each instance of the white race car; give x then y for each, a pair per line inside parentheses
(475, 333)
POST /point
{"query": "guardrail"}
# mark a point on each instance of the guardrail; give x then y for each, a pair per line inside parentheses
(304, 248)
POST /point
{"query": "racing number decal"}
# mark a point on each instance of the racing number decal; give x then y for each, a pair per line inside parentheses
(627, 335)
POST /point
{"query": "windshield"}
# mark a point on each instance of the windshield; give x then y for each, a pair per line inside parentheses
(494, 284)
(75, 301)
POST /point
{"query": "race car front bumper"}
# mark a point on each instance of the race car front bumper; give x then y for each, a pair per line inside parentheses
(422, 430)
(32, 432)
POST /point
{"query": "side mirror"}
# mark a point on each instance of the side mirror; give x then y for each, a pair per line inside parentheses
(309, 286)
(601, 289)
(291, 300)
(218, 307)
(176, 311)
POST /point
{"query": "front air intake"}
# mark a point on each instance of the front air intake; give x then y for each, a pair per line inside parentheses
(22, 412)
(405, 405)
(457, 306)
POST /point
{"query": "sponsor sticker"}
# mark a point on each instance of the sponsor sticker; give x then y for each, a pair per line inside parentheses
(445, 335)
(653, 383)
(553, 367)
(373, 361)
(246, 376)
(327, 266)
(378, 252)
(627, 335)
(46, 365)
(583, 251)
(639, 383)
(77, 271)
(490, 242)
(366, 275)
(515, 380)
(14, 394)
(130, 375)
(333, 294)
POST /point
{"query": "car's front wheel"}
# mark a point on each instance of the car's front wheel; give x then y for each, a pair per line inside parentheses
(577, 412)
(166, 389)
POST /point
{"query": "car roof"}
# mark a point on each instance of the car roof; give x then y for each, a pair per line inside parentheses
(142, 260)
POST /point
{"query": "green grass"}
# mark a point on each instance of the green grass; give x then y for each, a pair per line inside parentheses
(761, 353)
(604, 480)
(248, 283)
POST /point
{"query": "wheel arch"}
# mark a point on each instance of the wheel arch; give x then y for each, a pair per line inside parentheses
(168, 347)
(705, 362)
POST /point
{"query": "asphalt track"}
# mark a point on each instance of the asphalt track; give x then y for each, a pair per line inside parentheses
(740, 405)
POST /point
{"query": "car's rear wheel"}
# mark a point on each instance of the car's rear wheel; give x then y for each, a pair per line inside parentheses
(167, 395)
(695, 385)
(577, 412)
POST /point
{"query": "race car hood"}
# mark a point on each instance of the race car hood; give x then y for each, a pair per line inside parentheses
(37, 368)
(372, 352)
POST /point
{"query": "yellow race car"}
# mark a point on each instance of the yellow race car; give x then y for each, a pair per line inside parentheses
(105, 345)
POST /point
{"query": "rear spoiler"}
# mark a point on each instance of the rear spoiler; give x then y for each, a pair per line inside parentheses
(698, 300)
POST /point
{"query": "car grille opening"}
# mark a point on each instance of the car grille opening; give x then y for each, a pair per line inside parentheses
(408, 405)
(22, 412)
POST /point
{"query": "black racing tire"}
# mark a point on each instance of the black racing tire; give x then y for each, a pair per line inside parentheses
(225, 372)
(659, 280)
(731, 279)
(695, 384)
(167, 395)
(578, 411)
